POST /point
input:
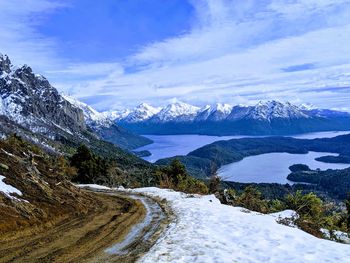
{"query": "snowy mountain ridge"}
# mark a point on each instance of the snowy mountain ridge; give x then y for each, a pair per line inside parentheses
(178, 111)
(274, 109)
(183, 112)
(142, 112)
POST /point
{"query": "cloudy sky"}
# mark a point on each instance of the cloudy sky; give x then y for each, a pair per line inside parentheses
(119, 53)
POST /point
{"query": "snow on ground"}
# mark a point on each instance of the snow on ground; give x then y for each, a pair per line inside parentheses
(8, 189)
(207, 231)
(96, 186)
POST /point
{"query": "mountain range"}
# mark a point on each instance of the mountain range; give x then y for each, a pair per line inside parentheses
(31, 107)
(264, 118)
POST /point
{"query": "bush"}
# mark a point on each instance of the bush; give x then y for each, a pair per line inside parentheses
(251, 199)
(310, 210)
(176, 177)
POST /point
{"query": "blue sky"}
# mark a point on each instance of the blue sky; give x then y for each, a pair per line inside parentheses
(119, 53)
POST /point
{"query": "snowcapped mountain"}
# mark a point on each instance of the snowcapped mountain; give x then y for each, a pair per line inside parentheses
(30, 101)
(274, 109)
(32, 108)
(238, 112)
(141, 113)
(183, 112)
(116, 114)
(264, 118)
(325, 113)
(177, 112)
(215, 112)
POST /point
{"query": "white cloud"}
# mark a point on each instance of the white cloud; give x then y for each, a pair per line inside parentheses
(237, 51)
(18, 37)
(239, 48)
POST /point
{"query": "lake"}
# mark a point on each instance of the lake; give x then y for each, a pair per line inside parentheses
(165, 146)
(272, 167)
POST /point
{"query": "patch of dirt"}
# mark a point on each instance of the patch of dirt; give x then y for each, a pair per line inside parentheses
(79, 239)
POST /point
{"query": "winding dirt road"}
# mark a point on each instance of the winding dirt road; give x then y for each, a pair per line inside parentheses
(121, 230)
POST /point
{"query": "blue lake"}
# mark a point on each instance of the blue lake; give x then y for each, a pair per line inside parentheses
(171, 145)
(272, 167)
(265, 168)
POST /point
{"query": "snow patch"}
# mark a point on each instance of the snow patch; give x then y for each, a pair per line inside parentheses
(95, 186)
(8, 189)
(207, 231)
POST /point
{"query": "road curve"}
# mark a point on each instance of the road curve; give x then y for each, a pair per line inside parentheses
(142, 236)
(121, 229)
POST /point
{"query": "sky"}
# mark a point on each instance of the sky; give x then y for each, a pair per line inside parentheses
(115, 54)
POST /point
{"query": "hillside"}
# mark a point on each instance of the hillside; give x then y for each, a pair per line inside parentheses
(107, 129)
(34, 110)
(45, 218)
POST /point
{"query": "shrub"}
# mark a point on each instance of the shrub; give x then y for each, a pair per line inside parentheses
(251, 199)
(176, 177)
(310, 210)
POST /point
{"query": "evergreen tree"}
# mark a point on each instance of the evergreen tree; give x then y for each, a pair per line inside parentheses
(89, 166)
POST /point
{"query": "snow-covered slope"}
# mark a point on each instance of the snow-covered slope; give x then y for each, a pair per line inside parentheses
(141, 113)
(206, 231)
(8, 190)
(215, 112)
(177, 111)
(274, 109)
(91, 115)
(115, 115)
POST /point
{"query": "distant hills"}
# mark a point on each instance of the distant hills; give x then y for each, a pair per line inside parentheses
(264, 118)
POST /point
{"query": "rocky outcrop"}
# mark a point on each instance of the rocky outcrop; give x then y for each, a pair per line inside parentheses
(31, 101)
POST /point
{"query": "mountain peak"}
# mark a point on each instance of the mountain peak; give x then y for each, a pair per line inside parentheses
(5, 64)
(31, 102)
(141, 112)
(267, 110)
(179, 111)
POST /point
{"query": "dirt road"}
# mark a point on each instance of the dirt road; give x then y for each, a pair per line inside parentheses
(123, 228)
